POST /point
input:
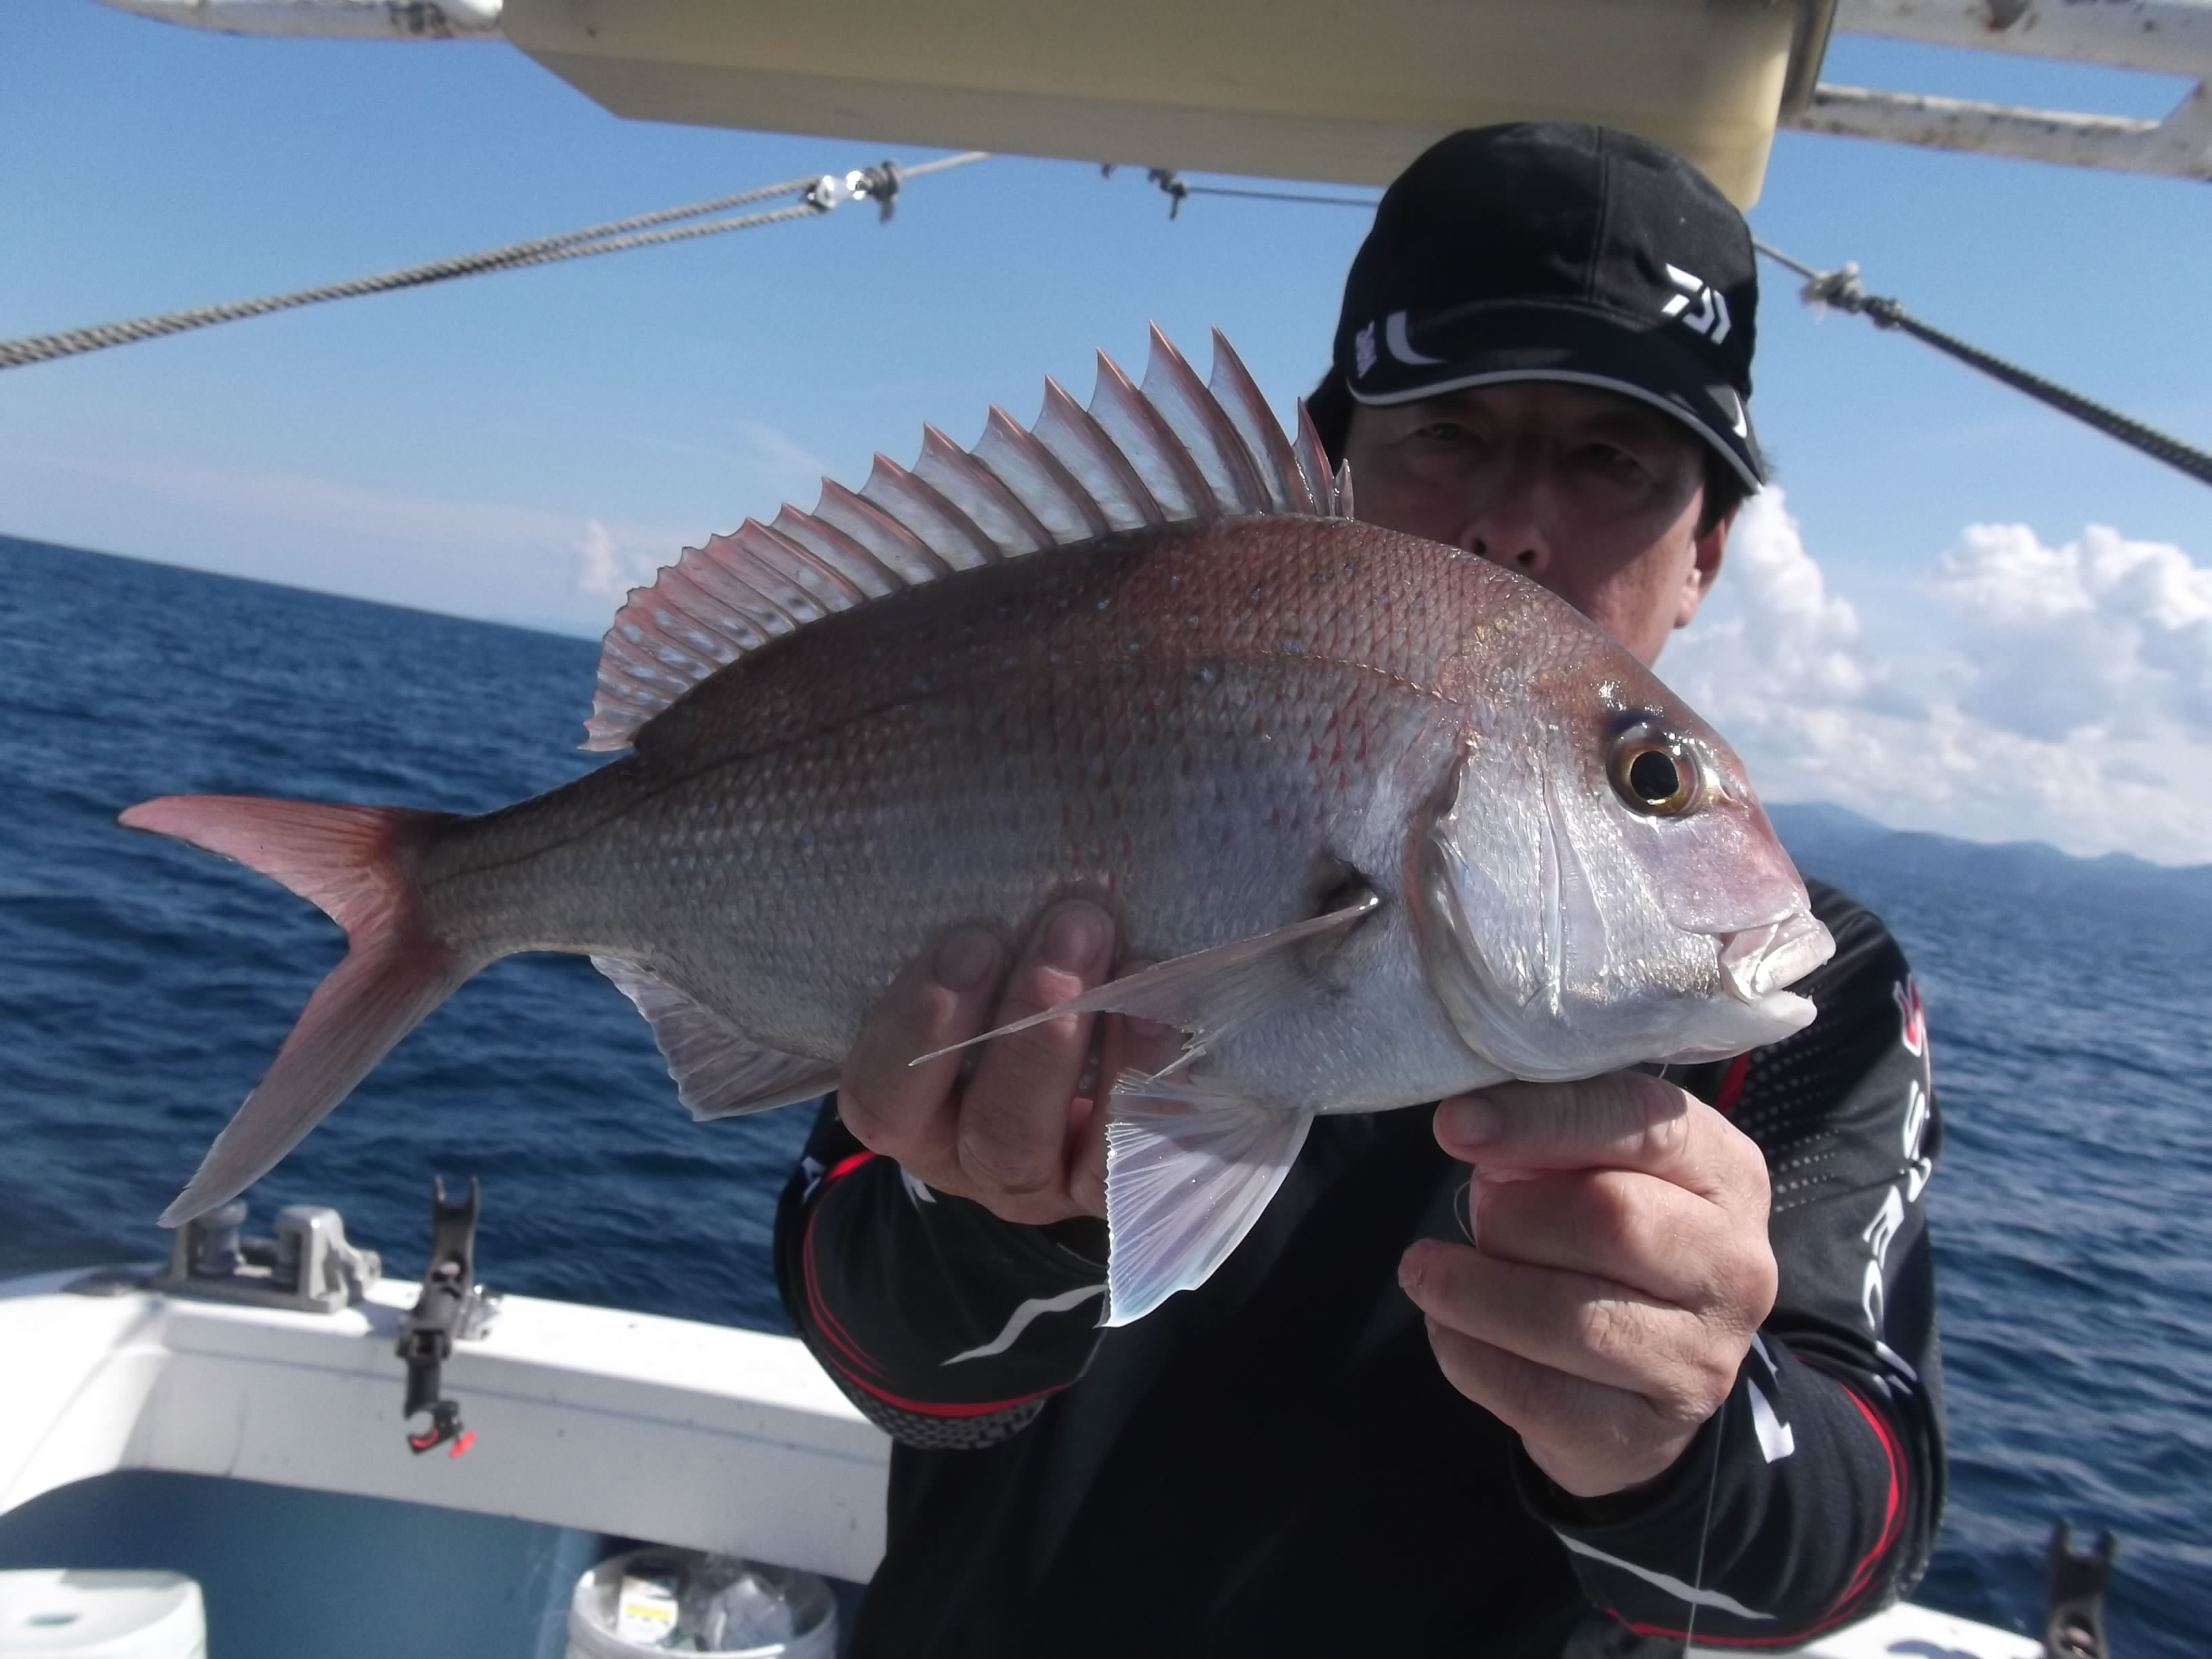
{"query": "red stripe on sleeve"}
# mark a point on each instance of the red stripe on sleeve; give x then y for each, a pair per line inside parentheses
(1845, 1609)
(1731, 1089)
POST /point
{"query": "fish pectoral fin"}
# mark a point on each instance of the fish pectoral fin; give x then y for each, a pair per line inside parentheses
(1189, 1167)
(719, 1071)
(1208, 992)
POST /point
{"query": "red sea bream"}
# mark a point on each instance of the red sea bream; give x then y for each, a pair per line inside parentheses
(1394, 822)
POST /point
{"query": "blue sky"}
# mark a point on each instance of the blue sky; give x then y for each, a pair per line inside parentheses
(474, 447)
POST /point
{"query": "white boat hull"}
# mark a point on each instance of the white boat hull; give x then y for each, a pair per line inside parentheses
(593, 1419)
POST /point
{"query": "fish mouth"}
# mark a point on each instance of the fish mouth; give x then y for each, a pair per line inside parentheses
(1757, 961)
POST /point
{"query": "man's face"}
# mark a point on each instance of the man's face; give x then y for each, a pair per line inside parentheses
(1589, 494)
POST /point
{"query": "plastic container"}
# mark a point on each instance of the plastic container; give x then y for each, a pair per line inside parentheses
(745, 1609)
(53, 1612)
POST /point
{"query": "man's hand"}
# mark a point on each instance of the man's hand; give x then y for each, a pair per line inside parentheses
(1620, 1269)
(1016, 1136)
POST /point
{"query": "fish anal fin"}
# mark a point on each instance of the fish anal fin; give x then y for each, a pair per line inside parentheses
(1208, 992)
(1190, 1168)
(719, 1071)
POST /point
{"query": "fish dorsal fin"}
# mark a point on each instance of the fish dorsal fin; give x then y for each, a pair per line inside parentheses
(1174, 450)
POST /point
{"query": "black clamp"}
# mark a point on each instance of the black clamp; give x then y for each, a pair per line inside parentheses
(452, 1308)
(2074, 1628)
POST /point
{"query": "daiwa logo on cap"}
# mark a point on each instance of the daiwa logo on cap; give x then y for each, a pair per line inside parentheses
(1395, 339)
(1711, 320)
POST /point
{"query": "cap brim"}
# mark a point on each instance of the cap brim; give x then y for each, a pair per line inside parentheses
(1492, 344)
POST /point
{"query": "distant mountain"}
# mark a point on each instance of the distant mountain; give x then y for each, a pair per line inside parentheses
(1839, 844)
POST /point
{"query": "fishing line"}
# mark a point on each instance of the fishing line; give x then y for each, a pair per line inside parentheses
(1705, 1527)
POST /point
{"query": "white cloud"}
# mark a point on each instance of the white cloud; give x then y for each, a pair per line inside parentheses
(606, 570)
(2066, 700)
(2101, 632)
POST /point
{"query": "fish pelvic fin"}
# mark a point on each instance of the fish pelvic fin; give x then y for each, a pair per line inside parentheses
(1190, 1168)
(1173, 450)
(356, 863)
(719, 1071)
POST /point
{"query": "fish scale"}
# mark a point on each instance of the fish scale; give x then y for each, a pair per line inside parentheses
(1361, 798)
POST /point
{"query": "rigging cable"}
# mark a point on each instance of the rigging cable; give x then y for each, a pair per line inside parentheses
(1842, 288)
(817, 194)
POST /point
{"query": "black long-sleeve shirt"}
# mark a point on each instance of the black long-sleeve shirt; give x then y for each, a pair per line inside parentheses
(1275, 1464)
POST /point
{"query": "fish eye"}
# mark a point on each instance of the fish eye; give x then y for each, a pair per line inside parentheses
(1654, 773)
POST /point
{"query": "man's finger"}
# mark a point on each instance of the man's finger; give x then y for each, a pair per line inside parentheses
(904, 1111)
(1633, 1229)
(1571, 1428)
(1622, 1120)
(1590, 1328)
(1013, 1114)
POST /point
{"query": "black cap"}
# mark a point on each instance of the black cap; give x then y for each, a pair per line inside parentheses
(1551, 251)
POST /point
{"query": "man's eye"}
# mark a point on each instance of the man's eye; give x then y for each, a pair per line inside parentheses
(1610, 458)
(1446, 432)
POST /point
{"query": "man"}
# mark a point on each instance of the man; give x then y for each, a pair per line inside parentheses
(1661, 1345)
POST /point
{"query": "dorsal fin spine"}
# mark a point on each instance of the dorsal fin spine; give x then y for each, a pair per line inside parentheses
(715, 628)
(1206, 431)
(1238, 394)
(653, 632)
(1312, 456)
(833, 547)
(1041, 478)
(1116, 402)
(949, 468)
(749, 606)
(1064, 416)
(893, 544)
(1179, 450)
(771, 549)
(896, 490)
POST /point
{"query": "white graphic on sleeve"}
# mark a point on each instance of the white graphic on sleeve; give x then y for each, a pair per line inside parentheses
(1023, 1316)
(1882, 1231)
(1896, 1361)
(1667, 1581)
(1878, 1234)
(1362, 350)
(812, 1171)
(1711, 318)
(1776, 1439)
(1917, 1168)
(915, 1191)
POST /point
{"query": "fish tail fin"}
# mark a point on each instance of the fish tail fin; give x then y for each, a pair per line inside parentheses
(356, 864)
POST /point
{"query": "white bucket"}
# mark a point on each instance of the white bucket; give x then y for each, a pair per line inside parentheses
(594, 1620)
(52, 1612)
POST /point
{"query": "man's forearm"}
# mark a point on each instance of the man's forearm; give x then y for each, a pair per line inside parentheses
(1810, 1500)
(946, 1325)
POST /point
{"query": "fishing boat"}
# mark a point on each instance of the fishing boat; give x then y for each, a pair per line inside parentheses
(325, 1398)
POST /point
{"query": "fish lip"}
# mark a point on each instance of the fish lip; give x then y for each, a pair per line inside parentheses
(1756, 963)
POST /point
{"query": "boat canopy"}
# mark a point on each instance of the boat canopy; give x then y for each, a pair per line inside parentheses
(1310, 89)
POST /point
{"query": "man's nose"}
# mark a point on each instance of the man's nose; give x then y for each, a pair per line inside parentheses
(1506, 526)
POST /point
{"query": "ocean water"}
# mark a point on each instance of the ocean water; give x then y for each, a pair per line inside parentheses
(143, 986)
